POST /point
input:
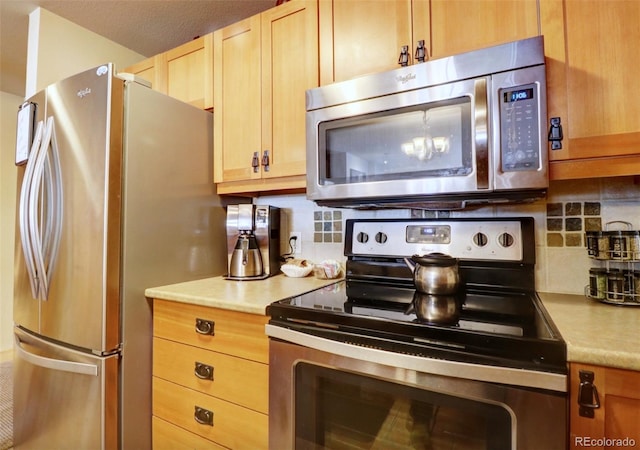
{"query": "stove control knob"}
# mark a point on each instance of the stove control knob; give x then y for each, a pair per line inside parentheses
(506, 240)
(362, 237)
(381, 237)
(480, 239)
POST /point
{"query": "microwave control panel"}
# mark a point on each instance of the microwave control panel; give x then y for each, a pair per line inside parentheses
(520, 128)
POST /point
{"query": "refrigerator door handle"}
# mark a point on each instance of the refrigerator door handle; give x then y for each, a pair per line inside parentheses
(54, 364)
(45, 210)
(24, 204)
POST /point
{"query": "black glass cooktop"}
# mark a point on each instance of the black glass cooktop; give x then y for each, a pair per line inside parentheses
(488, 326)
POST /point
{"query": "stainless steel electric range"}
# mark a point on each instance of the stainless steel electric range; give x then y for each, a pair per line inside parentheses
(369, 362)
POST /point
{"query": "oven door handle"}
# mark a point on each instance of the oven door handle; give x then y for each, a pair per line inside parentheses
(481, 133)
(477, 372)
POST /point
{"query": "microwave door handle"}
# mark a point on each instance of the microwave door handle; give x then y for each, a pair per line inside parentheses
(481, 134)
(24, 210)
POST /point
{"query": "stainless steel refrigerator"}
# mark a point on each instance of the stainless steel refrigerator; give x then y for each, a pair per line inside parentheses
(115, 195)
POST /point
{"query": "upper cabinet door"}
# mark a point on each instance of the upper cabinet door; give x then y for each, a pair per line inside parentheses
(459, 26)
(592, 48)
(366, 36)
(184, 72)
(148, 69)
(363, 36)
(189, 70)
(289, 68)
(237, 106)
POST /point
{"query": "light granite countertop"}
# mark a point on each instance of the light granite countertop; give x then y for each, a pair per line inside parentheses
(245, 296)
(596, 333)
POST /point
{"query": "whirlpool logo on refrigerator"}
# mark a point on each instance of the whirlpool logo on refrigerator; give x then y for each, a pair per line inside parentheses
(84, 92)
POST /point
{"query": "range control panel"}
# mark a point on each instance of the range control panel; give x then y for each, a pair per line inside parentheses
(483, 240)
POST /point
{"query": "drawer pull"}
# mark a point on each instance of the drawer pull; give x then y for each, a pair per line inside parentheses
(203, 416)
(205, 326)
(203, 371)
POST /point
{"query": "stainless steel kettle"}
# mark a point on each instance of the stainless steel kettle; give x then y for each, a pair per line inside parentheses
(434, 273)
(246, 260)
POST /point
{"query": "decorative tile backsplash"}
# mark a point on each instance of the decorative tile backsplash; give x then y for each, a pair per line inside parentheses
(562, 263)
(567, 222)
(327, 226)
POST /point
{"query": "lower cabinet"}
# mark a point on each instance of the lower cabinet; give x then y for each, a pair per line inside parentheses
(605, 407)
(210, 378)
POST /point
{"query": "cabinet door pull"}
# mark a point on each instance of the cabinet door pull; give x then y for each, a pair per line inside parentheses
(265, 160)
(203, 371)
(421, 52)
(555, 133)
(204, 326)
(403, 60)
(255, 162)
(203, 416)
(588, 398)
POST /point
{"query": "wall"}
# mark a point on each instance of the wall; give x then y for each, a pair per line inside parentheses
(57, 49)
(8, 109)
(562, 265)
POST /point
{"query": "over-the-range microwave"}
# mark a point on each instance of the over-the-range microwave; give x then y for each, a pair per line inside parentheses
(443, 134)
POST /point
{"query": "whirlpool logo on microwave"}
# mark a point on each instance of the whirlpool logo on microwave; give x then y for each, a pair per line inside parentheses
(404, 79)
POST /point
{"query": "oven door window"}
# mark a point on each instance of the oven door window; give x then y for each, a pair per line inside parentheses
(431, 140)
(343, 410)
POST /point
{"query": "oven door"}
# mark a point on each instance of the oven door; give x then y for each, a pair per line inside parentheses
(430, 140)
(327, 400)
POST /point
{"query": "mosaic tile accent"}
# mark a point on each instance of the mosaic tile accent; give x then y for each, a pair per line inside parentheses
(567, 222)
(592, 208)
(573, 209)
(554, 209)
(327, 226)
(429, 214)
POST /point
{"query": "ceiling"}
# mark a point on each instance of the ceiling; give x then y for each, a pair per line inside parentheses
(147, 27)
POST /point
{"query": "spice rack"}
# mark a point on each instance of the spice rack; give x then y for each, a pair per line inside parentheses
(616, 279)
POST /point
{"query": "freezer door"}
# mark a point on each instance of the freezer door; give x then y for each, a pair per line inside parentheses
(82, 308)
(65, 399)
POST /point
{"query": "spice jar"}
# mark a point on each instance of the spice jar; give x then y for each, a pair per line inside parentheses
(634, 245)
(615, 286)
(619, 244)
(597, 283)
(603, 245)
(591, 238)
(635, 291)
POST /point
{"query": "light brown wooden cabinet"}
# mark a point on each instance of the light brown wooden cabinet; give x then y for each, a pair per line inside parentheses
(366, 36)
(184, 72)
(592, 49)
(147, 70)
(264, 65)
(618, 415)
(210, 378)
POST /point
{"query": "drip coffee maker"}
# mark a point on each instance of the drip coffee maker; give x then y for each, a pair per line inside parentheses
(253, 241)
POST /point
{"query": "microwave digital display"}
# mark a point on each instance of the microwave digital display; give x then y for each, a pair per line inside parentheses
(520, 94)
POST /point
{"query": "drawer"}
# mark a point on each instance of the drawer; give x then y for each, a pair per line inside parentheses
(232, 425)
(235, 379)
(167, 436)
(234, 333)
